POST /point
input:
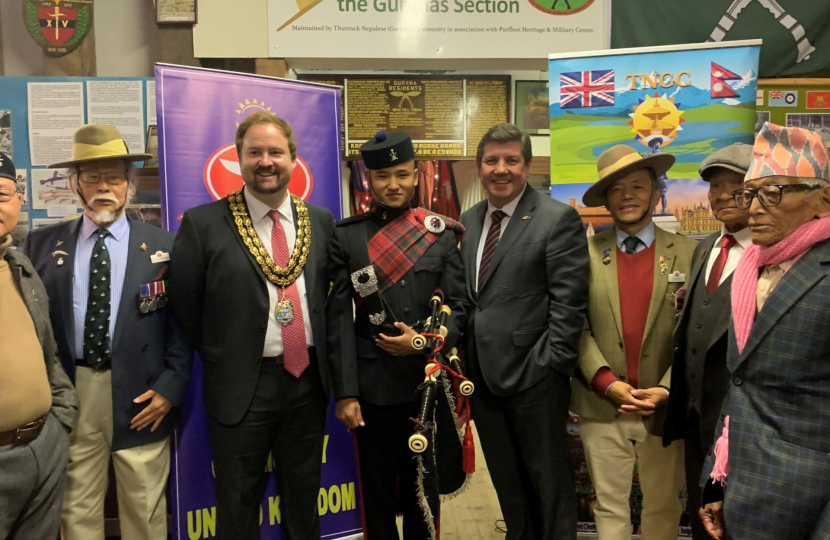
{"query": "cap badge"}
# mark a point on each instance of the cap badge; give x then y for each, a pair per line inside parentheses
(393, 155)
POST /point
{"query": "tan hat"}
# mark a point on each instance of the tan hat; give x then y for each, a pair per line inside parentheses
(95, 142)
(618, 161)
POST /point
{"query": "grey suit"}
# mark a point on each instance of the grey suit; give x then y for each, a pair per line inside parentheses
(32, 475)
(523, 331)
(779, 408)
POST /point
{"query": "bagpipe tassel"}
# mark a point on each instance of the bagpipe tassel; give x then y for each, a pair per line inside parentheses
(468, 460)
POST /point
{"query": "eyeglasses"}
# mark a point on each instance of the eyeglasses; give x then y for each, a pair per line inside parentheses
(7, 194)
(769, 195)
(111, 178)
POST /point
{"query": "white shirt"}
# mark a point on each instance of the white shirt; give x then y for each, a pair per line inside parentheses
(508, 209)
(742, 240)
(263, 225)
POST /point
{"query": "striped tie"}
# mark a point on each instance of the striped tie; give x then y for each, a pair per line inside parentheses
(490, 244)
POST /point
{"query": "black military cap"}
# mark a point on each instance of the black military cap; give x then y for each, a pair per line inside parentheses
(7, 169)
(387, 150)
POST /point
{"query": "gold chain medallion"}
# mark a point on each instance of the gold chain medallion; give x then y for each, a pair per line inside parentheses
(282, 277)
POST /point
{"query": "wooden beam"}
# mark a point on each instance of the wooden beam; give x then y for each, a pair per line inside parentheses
(272, 67)
(176, 45)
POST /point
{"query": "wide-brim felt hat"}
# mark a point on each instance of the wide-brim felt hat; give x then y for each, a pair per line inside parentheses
(95, 142)
(618, 161)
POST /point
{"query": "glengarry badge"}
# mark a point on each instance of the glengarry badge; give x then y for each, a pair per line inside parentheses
(58, 26)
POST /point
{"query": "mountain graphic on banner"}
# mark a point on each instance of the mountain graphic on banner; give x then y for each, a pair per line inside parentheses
(720, 88)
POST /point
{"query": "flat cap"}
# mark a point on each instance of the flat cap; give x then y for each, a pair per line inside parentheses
(735, 157)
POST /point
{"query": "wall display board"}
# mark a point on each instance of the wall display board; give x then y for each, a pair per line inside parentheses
(39, 115)
(438, 29)
(795, 102)
(199, 169)
(445, 115)
(685, 100)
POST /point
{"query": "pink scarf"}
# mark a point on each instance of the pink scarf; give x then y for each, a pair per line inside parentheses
(744, 292)
(745, 280)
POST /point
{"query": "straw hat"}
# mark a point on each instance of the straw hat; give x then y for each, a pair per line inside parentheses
(95, 142)
(618, 161)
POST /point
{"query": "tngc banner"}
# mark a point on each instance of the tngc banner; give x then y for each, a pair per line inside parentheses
(686, 100)
(198, 112)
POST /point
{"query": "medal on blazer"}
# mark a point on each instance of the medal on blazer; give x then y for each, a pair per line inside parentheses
(664, 265)
(282, 277)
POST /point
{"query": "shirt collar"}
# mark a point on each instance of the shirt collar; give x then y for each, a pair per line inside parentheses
(259, 210)
(118, 229)
(742, 237)
(646, 235)
(509, 208)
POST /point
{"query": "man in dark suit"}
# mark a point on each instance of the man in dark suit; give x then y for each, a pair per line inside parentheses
(699, 378)
(770, 472)
(376, 371)
(526, 265)
(123, 349)
(255, 312)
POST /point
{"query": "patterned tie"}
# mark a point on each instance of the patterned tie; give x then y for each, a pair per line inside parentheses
(726, 244)
(630, 245)
(490, 244)
(97, 325)
(295, 350)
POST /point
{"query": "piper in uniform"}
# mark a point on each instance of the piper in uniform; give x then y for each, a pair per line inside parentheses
(390, 261)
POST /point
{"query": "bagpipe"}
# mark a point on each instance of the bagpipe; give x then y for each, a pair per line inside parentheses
(441, 374)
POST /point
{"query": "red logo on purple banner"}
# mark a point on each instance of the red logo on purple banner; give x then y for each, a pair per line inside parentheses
(223, 176)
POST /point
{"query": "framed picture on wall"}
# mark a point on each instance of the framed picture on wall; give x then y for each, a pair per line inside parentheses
(532, 108)
(176, 11)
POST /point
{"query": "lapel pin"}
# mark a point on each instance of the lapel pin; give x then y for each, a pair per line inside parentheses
(606, 257)
(526, 217)
(59, 252)
(664, 265)
(144, 246)
(59, 243)
(60, 261)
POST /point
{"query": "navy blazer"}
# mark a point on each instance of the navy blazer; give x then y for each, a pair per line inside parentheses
(779, 412)
(149, 351)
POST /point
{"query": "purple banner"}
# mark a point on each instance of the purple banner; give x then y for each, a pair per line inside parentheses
(198, 111)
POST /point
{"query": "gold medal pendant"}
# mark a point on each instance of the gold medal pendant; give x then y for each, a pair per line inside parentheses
(284, 310)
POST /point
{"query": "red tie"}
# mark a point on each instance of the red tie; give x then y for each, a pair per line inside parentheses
(490, 244)
(295, 350)
(726, 244)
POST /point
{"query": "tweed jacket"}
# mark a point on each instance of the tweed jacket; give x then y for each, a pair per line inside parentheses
(601, 344)
(778, 405)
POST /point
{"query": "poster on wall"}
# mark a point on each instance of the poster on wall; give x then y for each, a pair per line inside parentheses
(56, 110)
(439, 29)
(446, 116)
(212, 103)
(796, 102)
(683, 100)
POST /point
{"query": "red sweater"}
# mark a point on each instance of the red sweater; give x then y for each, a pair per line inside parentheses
(635, 276)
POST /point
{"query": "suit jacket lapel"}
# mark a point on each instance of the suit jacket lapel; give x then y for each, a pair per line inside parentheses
(472, 237)
(135, 265)
(65, 275)
(515, 227)
(609, 275)
(310, 270)
(722, 326)
(663, 243)
(799, 279)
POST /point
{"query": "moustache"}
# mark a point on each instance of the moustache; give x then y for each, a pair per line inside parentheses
(109, 198)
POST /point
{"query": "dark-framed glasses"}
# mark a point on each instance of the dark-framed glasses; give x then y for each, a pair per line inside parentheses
(111, 178)
(8, 194)
(769, 195)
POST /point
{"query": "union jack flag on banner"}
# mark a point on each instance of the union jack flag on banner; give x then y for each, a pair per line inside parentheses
(579, 89)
